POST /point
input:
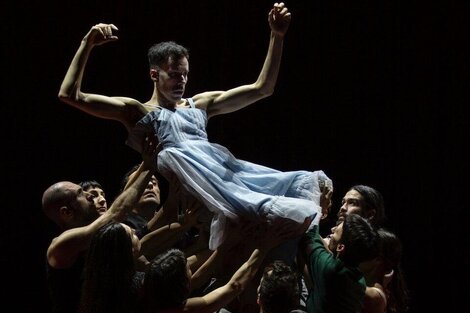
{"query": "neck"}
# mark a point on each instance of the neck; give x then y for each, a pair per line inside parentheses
(161, 101)
(373, 272)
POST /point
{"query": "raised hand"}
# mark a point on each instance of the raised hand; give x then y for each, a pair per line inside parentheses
(279, 19)
(101, 33)
(150, 149)
(326, 199)
(192, 212)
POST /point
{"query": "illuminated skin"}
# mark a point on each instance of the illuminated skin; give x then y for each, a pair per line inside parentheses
(135, 240)
(335, 237)
(99, 199)
(151, 195)
(350, 204)
(189, 274)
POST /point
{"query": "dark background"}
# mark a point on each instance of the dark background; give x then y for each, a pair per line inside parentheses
(372, 92)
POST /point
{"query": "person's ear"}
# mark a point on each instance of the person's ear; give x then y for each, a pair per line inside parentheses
(66, 213)
(340, 248)
(154, 74)
(371, 215)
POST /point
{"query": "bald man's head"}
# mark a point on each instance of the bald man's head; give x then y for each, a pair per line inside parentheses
(67, 205)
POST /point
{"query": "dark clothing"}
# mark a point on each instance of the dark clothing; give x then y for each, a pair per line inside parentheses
(337, 288)
(138, 223)
(64, 286)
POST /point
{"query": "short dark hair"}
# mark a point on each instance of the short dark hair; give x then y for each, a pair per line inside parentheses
(360, 240)
(159, 53)
(88, 184)
(279, 289)
(163, 183)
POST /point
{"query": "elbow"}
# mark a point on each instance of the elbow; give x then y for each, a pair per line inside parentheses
(68, 98)
(68, 94)
(237, 287)
(65, 96)
(265, 90)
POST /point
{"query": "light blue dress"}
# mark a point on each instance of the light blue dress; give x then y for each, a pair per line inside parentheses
(228, 187)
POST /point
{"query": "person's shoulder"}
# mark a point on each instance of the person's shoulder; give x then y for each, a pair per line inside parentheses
(204, 99)
(61, 253)
(374, 300)
(186, 103)
(149, 107)
(129, 102)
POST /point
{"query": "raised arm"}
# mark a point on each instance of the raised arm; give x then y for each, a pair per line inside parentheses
(274, 235)
(164, 238)
(221, 102)
(122, 109)
(65, 248)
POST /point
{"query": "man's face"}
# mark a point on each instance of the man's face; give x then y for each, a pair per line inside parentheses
(151, 195)
(350, 204)
(83, 205)
(171, 79)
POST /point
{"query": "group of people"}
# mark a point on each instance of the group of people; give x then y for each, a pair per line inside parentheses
(196, 229)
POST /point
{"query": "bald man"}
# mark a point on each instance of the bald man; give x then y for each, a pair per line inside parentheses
(73, 210)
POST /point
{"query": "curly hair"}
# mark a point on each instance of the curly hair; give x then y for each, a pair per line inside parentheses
(279, 289)
(166, 283)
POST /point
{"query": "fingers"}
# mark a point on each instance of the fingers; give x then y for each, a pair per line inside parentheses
(305, 225)
(150, 148)
(106, 30)
(280, 10)
(279, 19)
(193, 211)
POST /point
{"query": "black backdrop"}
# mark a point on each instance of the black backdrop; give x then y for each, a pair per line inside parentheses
(372, 92)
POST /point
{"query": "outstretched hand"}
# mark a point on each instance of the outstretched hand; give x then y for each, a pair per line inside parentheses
(279, 19)
(101, 33)
(326, 199)
(192, 212)
(150, 149)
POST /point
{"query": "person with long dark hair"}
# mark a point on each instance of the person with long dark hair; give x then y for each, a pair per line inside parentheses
(388, 291)
(111, 282)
